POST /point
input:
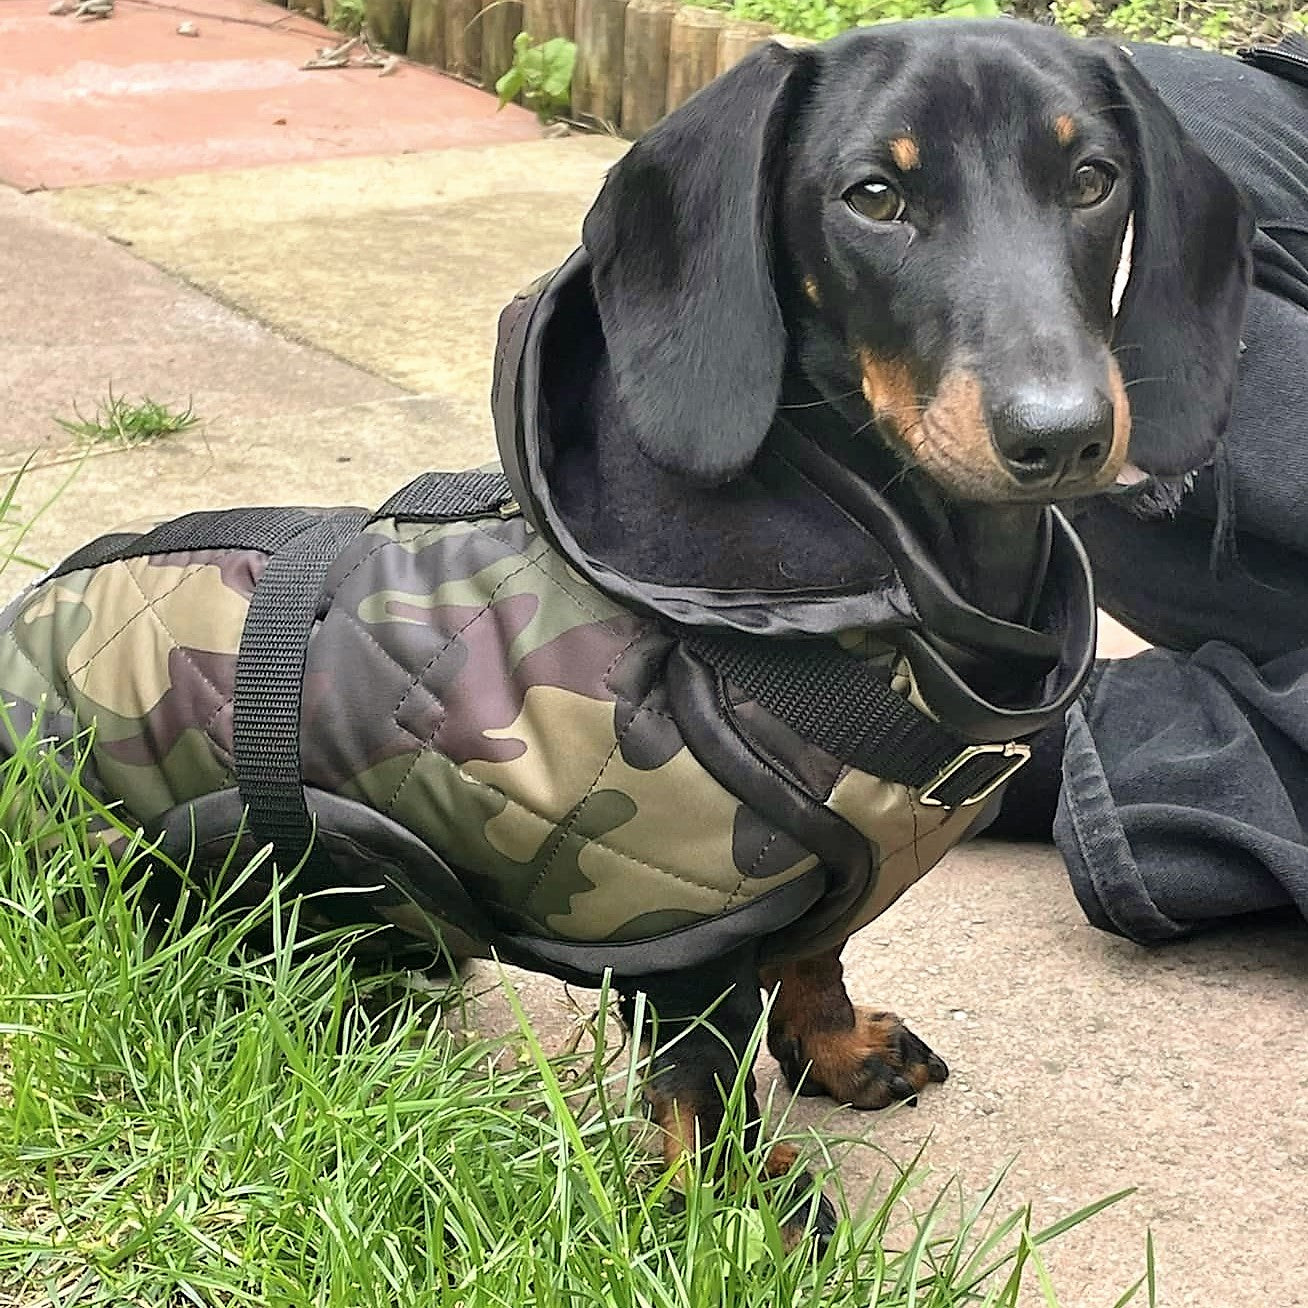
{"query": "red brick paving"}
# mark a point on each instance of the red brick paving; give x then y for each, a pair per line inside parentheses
(128, 98)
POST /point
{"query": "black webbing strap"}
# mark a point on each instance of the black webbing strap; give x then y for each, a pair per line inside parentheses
(448, 496)
(269, 680)
(436, 496)
(265, 530)
(275, 640)
(104, 549)
(847, 708)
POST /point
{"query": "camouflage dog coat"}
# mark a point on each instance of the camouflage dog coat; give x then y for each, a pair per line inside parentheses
(474, 733)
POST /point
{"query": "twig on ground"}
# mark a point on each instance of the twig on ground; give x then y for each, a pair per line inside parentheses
(356, 52)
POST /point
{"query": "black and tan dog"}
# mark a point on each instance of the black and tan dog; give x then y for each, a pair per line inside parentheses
(988, 251)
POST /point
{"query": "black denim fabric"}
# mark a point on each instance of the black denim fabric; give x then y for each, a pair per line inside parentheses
(1184, 771)
(1185, 791)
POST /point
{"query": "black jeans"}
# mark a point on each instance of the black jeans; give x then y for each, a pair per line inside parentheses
(1184, 791)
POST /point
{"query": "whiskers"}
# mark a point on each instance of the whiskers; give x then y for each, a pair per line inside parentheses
(819, 404)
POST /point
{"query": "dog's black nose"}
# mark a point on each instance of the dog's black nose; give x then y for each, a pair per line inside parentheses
(1046, 437)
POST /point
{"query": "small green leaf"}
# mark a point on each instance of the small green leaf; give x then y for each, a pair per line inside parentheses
(559, 57)
(508, 86)
(542, 74)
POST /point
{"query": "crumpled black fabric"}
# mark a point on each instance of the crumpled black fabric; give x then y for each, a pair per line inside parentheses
(1184, 800)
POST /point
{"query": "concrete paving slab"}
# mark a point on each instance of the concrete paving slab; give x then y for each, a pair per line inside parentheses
(128, 97)
(353, 454)
(400, 265)
(280, 422)
(81, 314)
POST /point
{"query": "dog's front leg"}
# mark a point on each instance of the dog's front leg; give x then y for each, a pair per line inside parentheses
(825, 1044)
(694, 1063)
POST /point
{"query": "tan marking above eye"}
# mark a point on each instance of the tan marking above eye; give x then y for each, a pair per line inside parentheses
(811, 290)
(1065, 129)
(904, 151)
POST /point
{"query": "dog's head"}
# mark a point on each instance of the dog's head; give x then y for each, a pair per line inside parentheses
(988, 242)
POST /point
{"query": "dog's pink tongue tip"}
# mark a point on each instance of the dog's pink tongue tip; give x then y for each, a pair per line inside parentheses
(1131, 475)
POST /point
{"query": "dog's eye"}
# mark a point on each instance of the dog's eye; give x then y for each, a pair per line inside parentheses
(1091, 184)
(875, 200)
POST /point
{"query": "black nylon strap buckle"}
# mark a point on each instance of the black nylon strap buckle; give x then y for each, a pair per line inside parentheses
(977, 772)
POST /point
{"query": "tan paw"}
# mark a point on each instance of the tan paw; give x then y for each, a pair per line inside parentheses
(875, 1062)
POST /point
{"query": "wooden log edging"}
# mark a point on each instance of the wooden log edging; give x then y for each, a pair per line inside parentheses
(388, 21)
(463, 20)
(597, 78)
(545, 19)
(737, 39)
(692, 52)
(427, 32)
(501, 21)
(645, 64)
(684, 47)
(637, 60)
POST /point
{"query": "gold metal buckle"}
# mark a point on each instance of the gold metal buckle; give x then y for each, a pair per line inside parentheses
(1017, 753)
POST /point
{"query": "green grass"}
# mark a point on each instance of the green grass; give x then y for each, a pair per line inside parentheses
(820, 19)
(182, 1122)
(120, 421)
(1209, 23)
(15, 524)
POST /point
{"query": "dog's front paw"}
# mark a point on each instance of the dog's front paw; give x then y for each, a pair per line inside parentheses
(875, 1062)
(812, 1215)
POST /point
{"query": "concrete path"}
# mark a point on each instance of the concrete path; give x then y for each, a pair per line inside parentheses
(331, 323)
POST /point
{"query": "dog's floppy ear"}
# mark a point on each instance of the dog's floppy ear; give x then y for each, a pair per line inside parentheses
(1177, 335)
(681, 243)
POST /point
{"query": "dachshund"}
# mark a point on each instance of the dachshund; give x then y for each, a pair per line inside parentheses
(989, 251)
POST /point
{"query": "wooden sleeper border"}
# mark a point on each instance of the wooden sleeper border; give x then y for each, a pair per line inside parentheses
(636, 59)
